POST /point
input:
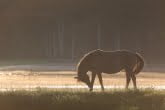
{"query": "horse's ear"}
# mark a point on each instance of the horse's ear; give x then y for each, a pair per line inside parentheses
(76, 77)
(78, 80)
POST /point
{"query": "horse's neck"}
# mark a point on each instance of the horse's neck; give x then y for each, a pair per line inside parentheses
(82, 71)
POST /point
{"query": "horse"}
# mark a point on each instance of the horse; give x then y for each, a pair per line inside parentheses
(110, 62)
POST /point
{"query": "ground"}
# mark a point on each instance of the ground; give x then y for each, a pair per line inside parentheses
(51, 75)
(48, 95)
(52, 79)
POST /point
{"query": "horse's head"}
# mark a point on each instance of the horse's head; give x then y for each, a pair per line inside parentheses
(82, 69)
(84, 78)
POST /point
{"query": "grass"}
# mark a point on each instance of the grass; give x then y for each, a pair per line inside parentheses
(68, 99)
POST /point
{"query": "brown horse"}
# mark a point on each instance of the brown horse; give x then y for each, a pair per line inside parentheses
(110, 62)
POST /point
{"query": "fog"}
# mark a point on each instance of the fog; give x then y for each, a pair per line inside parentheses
(67, 29)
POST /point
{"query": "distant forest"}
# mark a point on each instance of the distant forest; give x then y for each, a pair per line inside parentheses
(67, 29)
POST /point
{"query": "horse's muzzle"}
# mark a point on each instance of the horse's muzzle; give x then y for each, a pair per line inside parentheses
(89, 85)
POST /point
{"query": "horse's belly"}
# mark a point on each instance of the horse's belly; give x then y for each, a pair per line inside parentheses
(111, 70)
(107, 65)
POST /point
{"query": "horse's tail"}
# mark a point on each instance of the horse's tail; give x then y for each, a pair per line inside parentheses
(139, 64)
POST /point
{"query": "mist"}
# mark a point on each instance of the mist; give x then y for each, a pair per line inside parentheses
(63, 29)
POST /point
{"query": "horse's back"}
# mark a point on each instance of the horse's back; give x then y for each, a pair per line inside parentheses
(111, 61)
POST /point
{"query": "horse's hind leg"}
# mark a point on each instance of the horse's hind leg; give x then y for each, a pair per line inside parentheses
(134, 81)
(128, 78)
(92, 81)
(101, 81)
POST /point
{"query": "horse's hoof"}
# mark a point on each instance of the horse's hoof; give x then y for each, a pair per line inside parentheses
(90, 90)
(126, 88)
(102, 90)
(136, 89)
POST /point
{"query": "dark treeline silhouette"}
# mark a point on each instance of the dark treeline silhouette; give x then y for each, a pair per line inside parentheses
(69, 28)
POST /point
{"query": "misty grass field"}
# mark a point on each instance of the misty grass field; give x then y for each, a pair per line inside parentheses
(71, 99)
(30, 79)
(30, 90)
(78, 99)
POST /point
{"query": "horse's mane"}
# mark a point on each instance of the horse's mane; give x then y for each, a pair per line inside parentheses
(92, 52)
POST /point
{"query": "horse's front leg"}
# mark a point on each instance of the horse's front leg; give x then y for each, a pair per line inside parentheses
(92, 80)
(101, 81)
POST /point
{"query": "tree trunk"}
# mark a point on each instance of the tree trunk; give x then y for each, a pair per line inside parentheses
(98, 36)
(61, 39)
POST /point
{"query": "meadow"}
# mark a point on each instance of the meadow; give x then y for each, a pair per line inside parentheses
(30, 90)
(22, 90)
(71, 99)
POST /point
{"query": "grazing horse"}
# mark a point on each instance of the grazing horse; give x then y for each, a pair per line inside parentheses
(110, 62)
